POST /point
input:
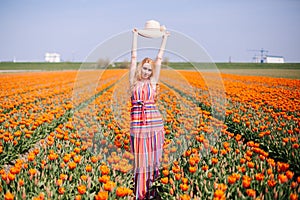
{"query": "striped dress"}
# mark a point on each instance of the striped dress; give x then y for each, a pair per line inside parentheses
(146, 138)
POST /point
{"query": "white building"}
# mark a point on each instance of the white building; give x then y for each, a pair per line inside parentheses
(52, 57)
(274, 59)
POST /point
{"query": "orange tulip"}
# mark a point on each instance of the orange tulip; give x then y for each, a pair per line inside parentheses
(66, 158)
(88, 168)
(184, 180)
(21, 182)
(15, 170)
(293, 196)
(32, 172)
(176, 169)
(121, 191)
(294, 184)
(221, 186)
(109, 186)
(282, 178)
(226, 145)
(59, 182)
(192, 169)
(205, 168)
(104, 179)
(246, 181)
(165, 172)
(185, 197)
(184, 187)
(72, 165)
(104, 170)
(177, 177)
(250, 164)
(251, 192)
(31, 156)
(214, 150)
(164, 180)
(94, 159)
(223, 152)
(76, 149)
(63, 176)
(289, 174)
(81, 189)
(102, 195)
(242, 160)
(61, 190)
(238, 137)
(271, 183)
(77, 159)
(214, 160)
(9, 196)
(231, 179)
(84, 177)
(52, 156)
(219, 194)
(11, 177)
(259, 177)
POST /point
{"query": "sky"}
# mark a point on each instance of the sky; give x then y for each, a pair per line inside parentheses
(231, 29)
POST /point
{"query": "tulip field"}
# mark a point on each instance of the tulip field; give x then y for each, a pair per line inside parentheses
(61, 139)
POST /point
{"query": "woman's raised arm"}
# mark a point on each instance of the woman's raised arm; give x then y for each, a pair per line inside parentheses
(159, 57)
(133, 63)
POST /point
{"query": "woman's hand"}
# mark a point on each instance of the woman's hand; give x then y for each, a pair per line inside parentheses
(166, 34)
(135, 31)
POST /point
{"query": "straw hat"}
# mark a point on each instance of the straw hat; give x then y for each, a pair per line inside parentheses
(152, 29)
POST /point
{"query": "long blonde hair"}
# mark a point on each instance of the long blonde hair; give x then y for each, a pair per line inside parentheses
(138, 72)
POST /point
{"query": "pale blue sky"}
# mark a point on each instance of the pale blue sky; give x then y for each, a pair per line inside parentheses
(73, 28)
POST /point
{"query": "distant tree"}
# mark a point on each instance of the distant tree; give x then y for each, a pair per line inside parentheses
(102, 63)
(124, 64)
(165, 61)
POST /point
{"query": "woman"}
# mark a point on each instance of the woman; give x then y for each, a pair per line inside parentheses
(146, 127)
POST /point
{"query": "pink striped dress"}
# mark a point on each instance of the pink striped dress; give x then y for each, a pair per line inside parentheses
(146, 138)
